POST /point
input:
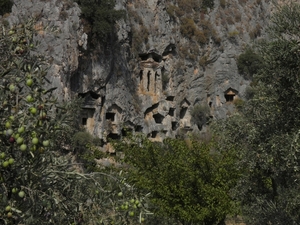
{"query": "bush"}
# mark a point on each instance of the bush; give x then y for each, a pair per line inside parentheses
(188, 27)
(5, 6)
(249, 63)
(188, 6)
(186, 180)
(223, 3)
(207, 30)
(207, 4)
(255, 32)
(203, 61)
(189, 30)
(200, 37)
(101, 15)
(85, 145)
(200, 115)
(135, 17)
(81, 140)
(233, 34)
(249, 93)
(139, 37)
(238, 103)
(174, 11)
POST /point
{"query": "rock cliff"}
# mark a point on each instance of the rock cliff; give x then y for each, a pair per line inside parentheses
(166, 58)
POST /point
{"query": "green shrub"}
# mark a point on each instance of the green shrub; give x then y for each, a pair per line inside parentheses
(223, 3)
(188, 27)
(187, 180)
(232, 34)
(189, 30)
(207, 4)
(140, 36)
(249, 93)
(249, 63)
(207, 30)
(101, 15)
(63, 15)
(203, 61)
(82, 138)
(134, 16)
(97, 141)
(255, 32)
(174, 11)
(238, 103)
(88, 159)
(5, 6)
(87, 149)
(188, 6)
(200, 115)
(200, 37)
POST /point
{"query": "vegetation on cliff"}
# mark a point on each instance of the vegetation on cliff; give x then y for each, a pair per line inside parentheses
(249, 63)
(266, 132)
(5, 6)
(48, 169)
(100, 17)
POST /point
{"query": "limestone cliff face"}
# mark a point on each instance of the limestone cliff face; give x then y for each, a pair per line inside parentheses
(59, 31)
(166, 58)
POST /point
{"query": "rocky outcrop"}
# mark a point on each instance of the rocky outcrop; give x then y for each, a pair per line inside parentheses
(149, 78)
(59, 32)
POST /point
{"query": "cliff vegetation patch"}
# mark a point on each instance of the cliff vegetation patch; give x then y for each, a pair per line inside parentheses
(5, 6)
(100, 17)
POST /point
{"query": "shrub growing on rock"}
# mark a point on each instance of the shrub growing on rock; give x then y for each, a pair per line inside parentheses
(249, 63)
(5, 6)
(200, 115)
(101, 15)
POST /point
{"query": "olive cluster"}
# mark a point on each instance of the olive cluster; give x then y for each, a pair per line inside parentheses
(26, 126)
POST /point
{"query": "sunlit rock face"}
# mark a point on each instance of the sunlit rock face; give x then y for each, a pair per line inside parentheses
(157, 66)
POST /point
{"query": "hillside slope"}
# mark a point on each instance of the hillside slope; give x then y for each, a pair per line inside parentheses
(168, 60)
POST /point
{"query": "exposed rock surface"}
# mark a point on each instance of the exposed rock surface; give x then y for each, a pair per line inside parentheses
(152, 85)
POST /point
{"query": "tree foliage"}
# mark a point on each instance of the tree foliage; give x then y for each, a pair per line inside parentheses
(200, 115)
(101, 15)
(187, 180)
(40, 183)
(267, 131)
(249, 63)
(5, 6)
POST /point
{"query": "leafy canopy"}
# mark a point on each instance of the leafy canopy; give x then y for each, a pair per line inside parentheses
(5, 6)
(101, 15)
(187, 180)
(267, 130)
(249, 63)
(40, 181)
